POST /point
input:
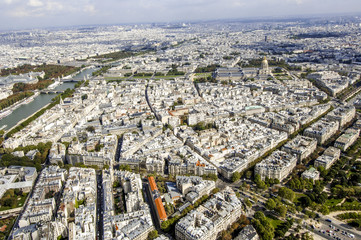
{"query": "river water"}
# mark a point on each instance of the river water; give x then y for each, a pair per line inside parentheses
(26, 110)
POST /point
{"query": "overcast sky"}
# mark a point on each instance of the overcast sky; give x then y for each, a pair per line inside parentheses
(21, 14)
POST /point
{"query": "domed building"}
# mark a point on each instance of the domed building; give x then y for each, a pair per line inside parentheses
(264, 67)
(264, 73)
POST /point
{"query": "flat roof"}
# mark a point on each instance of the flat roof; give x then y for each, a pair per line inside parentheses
(253, 107)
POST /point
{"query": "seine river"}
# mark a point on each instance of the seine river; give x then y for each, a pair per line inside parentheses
(26, 110)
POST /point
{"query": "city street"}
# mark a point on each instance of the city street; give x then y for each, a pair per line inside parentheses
(100, 207)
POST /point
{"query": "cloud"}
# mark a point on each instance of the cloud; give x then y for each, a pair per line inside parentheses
(9, 1)
(35, 13)
(298, 2)
(90, 9)
(54, 6)
(35, 3)
(238, 3)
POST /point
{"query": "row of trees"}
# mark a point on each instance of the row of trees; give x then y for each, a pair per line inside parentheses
(101, 71)
(169, 224)
(209, 68)
(174, 71)
(51, 71)
(120, 55)
(349, 215)
(12, 99)
(205, 79)
(353, 218)
(143, 74)
(282, 63)
(350, 204)
(22, 87)
(342, 192)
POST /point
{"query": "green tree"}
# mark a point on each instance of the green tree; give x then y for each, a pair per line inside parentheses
(286, 193)
(98, 147)
(125, 167)
(248, 174)
(281, 210)
(236, 176)
(90, 129)
(259, 215)
(247, 202)
(324, 210)
(210, 176)
(270, 204)
(214, 191)
(305, 201)
(153, 235)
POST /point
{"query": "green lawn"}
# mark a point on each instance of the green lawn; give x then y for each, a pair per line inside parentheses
(297, 197)
(115, 78)
(170, 77)
(173, 76)
(203, 74)
(274, 221)
(141, 77)
(18, 202)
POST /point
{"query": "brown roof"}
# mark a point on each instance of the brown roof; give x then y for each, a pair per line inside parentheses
(160, 209)
(200, 164)
(152, 184)
(3, 228)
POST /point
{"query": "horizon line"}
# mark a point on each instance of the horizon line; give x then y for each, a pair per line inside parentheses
(240, 19)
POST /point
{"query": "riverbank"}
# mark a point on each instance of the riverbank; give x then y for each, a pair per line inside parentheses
(24, 111)
(7, 132)
(7, 111)
(25, 122)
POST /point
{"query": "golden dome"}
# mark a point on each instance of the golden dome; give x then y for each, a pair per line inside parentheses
(264, 64)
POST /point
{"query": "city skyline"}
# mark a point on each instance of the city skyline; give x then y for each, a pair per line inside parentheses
(187, 130)
(20, 14)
